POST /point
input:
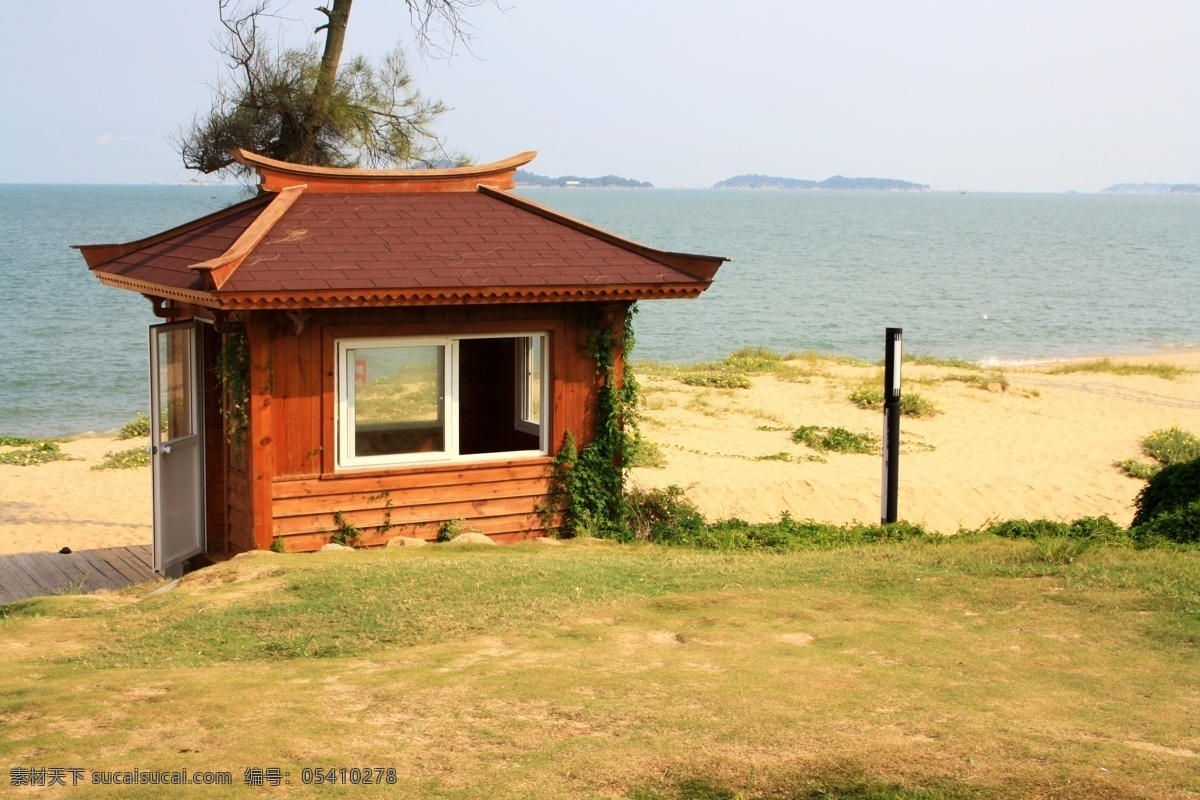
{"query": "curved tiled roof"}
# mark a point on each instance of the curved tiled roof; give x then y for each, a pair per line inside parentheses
(295, 248)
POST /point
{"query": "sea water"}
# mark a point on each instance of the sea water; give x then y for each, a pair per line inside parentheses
(974, 276)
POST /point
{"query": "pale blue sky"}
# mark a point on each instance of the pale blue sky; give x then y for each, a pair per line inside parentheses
(986, 96)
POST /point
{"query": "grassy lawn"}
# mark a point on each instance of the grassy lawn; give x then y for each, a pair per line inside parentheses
(971, 667)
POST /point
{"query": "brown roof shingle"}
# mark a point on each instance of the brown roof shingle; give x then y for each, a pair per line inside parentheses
(396, 248)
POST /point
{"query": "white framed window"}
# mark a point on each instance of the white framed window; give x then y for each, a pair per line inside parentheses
(407, 400)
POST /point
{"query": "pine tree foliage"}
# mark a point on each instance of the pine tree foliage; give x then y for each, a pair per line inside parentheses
(305, 106)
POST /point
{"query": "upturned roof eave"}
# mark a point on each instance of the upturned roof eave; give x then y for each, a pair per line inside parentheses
(96, 255)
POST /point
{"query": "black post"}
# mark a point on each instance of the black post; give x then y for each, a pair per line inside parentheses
(891, 425)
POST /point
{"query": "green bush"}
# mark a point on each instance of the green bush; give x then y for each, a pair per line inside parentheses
(1172, 446)
(792, 534)
(15, 441)
(715, 379)
(839, 440)
(869, 398)
(645, 453)
(451, 528)
(1175, 486)
(1083, 528)
(347, 533)
(911, 403)
(1180, 525)
(137, 427)
(125, 459)
(664, 516)
(37, 452)
(1138, 469)
(752, 360)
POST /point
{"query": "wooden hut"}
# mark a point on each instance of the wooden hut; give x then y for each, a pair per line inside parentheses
(381, 349)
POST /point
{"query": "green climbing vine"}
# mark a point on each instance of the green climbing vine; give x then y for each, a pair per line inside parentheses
(587, 487)
(233, 372)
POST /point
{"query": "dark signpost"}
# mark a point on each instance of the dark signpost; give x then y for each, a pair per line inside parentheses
(891, 425)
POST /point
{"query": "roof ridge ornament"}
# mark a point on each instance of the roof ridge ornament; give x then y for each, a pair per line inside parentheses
(275, 175)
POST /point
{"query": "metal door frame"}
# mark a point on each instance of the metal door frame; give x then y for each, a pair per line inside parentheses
(159, 448)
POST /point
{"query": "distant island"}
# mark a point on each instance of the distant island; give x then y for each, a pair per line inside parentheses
(524, 178)
(1152, 188)
(838, 182)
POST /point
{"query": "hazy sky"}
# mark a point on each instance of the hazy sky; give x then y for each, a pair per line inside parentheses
(987, 96)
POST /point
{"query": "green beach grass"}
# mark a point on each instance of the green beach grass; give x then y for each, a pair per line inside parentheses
(964, 667)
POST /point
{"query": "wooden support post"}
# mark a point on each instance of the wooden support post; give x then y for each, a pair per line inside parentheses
(261, 447)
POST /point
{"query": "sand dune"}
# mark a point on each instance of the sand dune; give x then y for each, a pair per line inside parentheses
(1045, 447)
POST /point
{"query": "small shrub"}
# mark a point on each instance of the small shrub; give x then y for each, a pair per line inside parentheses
(1180, 525)
(454, 527)
(914, 405)
(37, 452)
(277, 545)
(911, 403)
(645, 453)
(715, 379)
(792, 534)
(1175, 486)
(1138, 469)
(1172, 446)
(346, 533)
(15, 441)
(586, 526)
(869, 398)
(1083, 528)
(125, 459)
(664, 516)
(838, 440)
(136, 428)
(752, 360)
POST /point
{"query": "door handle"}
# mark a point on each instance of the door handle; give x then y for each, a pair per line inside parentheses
(166, 448)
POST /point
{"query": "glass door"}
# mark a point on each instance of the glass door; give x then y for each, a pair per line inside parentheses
(176, 443)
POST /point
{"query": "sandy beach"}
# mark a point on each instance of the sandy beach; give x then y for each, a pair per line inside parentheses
(1043, 447)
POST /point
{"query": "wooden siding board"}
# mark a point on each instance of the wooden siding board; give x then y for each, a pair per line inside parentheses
(472, 511)
(360, 501)
(413, 478)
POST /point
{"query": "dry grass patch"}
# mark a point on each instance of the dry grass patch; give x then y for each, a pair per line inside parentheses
(963, 668)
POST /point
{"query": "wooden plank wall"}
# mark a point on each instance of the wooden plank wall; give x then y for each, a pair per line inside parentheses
(292, 448)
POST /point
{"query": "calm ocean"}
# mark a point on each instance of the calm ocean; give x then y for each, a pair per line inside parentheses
(977, 276)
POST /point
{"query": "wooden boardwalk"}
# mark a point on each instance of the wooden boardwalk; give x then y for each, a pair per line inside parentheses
(37, 574)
